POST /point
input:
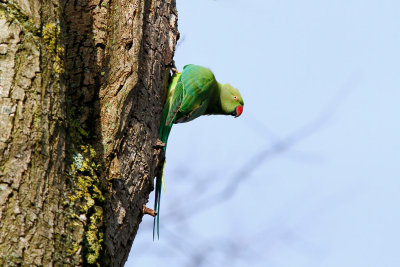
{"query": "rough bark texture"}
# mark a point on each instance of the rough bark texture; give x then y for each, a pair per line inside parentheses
(81, 92)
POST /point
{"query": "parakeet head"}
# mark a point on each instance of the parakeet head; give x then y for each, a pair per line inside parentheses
(231, 100)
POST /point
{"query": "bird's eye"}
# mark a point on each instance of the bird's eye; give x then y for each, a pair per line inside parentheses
(235, 98)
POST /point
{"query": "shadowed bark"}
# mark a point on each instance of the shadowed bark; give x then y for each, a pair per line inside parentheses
(82, 85)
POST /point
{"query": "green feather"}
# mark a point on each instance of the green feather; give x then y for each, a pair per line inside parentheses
(192, 93)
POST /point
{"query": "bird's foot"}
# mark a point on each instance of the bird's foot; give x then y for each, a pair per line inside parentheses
(151, 212)
(173, 68)
(159, 144)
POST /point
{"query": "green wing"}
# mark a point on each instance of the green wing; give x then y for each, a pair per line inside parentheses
(191, 95)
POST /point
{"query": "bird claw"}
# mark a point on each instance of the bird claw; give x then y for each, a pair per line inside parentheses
(159, 144)
(173, 68)
(151, 212)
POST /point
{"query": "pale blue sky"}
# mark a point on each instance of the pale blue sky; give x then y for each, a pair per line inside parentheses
(325, 77)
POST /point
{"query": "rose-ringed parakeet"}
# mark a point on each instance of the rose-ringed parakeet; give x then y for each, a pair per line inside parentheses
(192, 93)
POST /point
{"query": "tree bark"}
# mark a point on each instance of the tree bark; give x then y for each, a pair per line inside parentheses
(82, 86)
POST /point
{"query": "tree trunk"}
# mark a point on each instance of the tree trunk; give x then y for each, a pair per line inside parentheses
(82, 86)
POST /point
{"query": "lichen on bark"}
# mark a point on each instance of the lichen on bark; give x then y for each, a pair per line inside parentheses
(51, 38)
(85, 198)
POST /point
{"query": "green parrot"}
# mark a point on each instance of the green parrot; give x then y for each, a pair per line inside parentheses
(192, 93)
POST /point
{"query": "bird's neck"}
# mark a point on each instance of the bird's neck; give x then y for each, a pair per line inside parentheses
(214, 106)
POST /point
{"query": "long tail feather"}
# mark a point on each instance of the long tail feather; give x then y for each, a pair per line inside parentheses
(164, 133)
(165, 129)
(157, 202)
(159, 186)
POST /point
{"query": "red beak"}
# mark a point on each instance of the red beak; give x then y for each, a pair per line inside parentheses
(239, 110)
